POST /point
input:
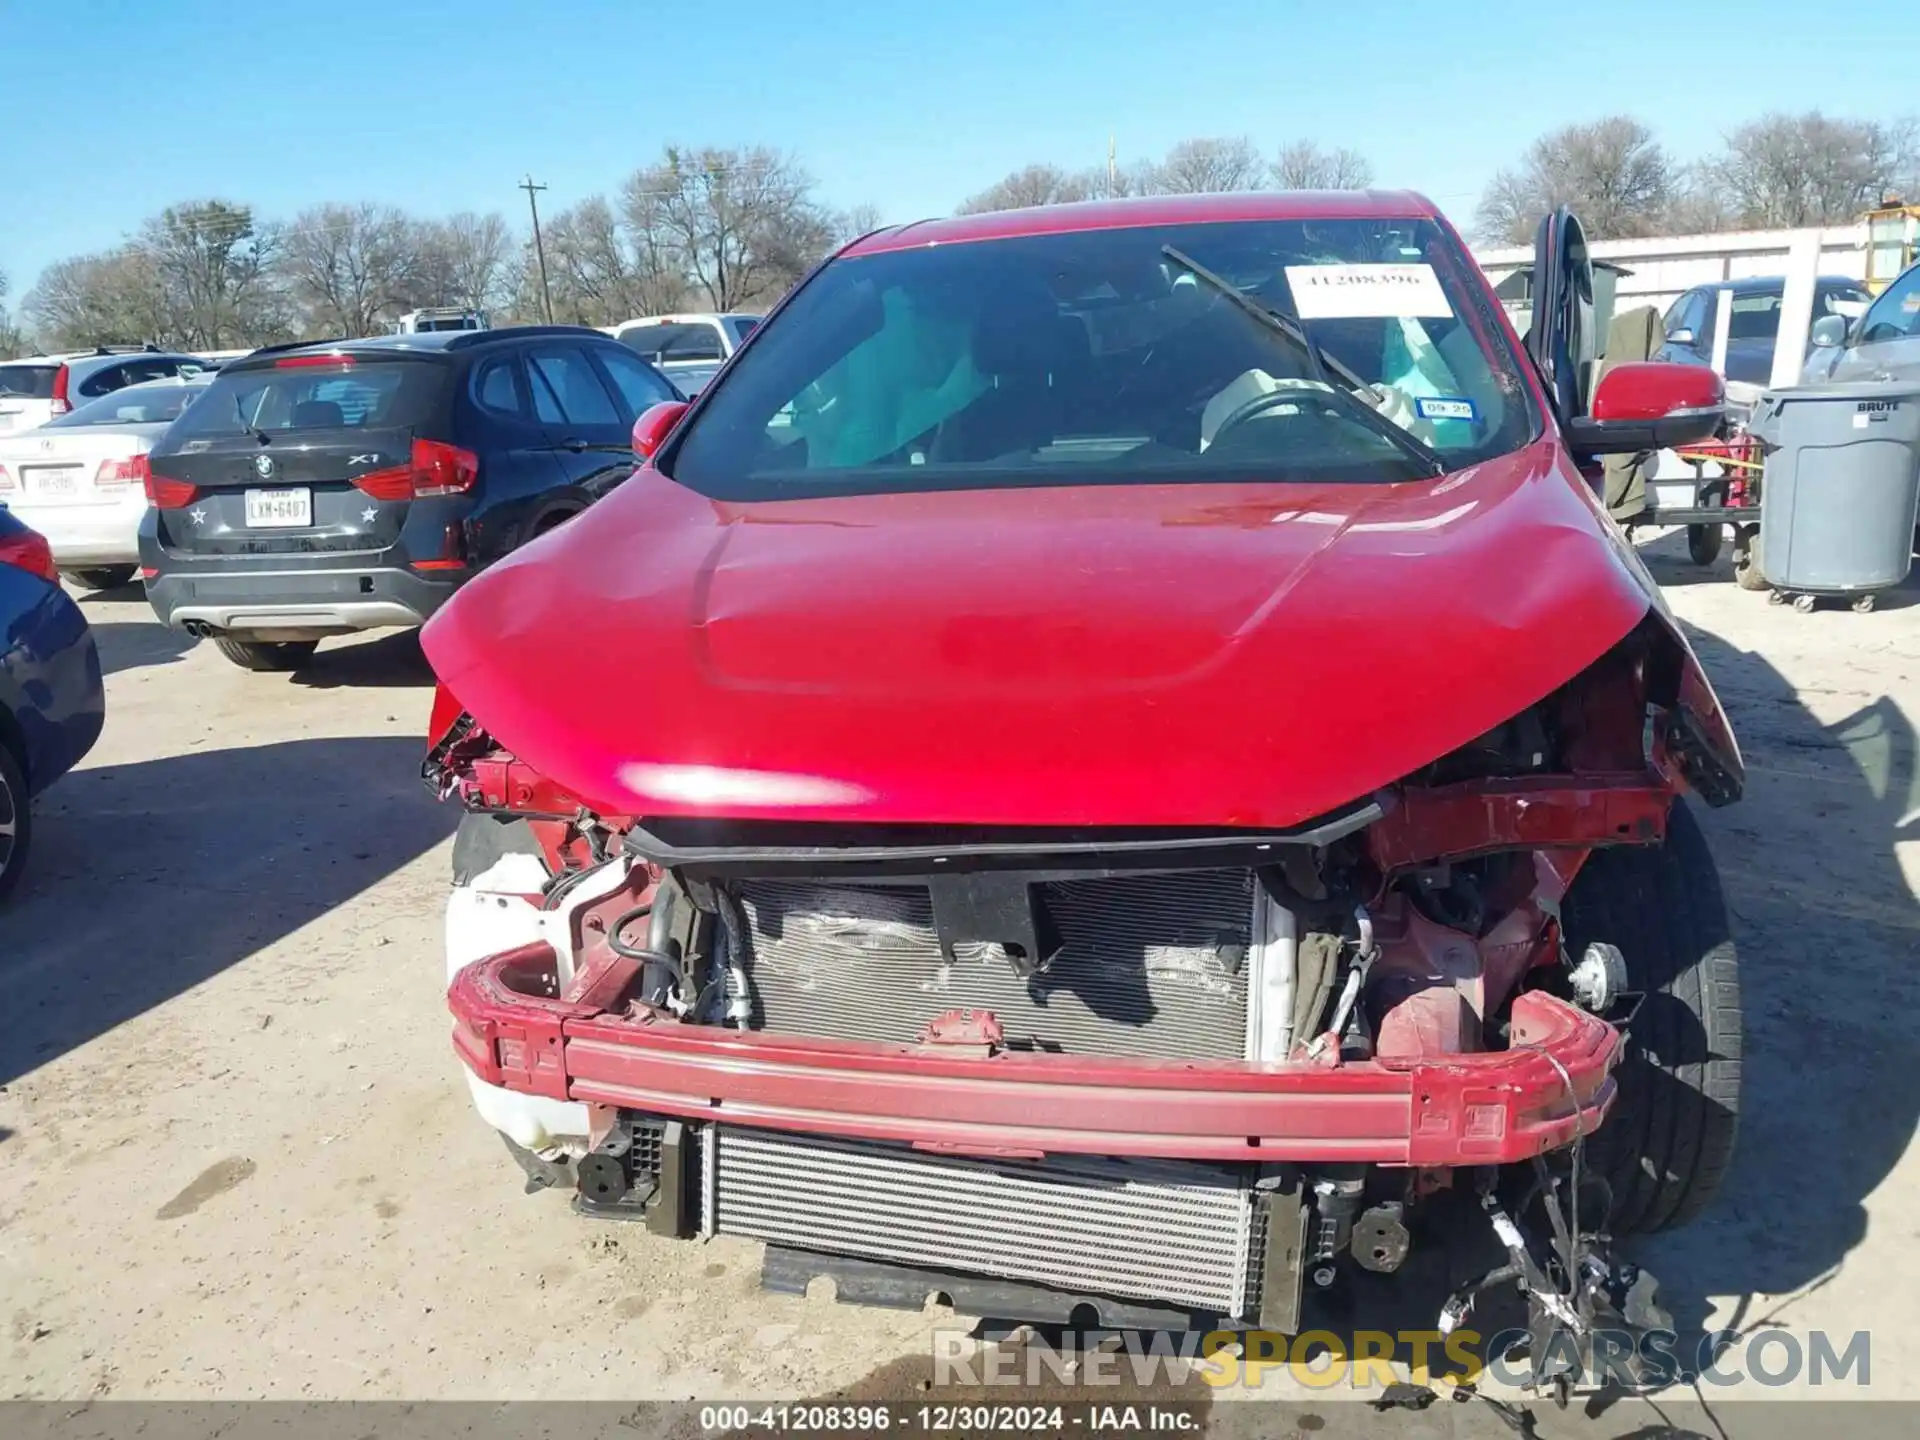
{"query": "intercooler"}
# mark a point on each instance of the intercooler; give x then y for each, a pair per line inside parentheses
(1150, 965)
(1177, 1233)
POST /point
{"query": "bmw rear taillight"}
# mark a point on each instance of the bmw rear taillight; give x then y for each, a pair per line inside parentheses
(29, 551)
(61, 405)
(163, 493)
(121, 472)
(434, 468)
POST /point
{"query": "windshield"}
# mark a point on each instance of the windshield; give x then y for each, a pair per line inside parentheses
(1095, 358)
(1895, 315)
(35, 382)
(135, 405)
(354, 394)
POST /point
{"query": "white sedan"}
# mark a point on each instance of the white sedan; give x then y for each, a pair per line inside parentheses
(80, 478)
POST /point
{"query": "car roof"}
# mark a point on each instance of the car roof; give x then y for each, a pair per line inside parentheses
(1151, 210)
(426, 341)
(1766, 284)
(93, 358)
(689, 317)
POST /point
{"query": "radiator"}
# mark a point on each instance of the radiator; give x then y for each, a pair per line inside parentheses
(1151, 966)
(1176, 1233)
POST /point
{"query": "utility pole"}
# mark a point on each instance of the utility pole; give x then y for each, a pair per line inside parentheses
(539, 250)
(1112, 170)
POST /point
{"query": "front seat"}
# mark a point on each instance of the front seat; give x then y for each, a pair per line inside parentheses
(1019, 346)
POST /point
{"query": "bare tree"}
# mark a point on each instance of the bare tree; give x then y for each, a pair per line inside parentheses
(1612, 172)
(114, 298)
(213, 263)
(13, 340)
(852, 224)
(467, 260)
(1698, 205)
(602, 272)
(741, 224)
(1303, 165)
(354, 268)
(1782, 171)
(1207, 166)
(1035, 185)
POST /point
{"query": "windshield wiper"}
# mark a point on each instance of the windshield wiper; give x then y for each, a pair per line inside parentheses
(240, 414)
(1356, 399)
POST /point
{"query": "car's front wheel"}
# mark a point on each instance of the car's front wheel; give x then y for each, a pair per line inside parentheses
(266, 654)
(1665, 1146)
(102, 577)
(16, 822)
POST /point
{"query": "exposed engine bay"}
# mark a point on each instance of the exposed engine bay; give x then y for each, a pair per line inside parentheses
(1146, 1076)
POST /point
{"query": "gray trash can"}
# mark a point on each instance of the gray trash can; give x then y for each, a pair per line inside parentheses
(1841, 487)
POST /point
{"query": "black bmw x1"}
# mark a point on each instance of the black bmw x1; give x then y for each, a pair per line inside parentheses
(321, 489)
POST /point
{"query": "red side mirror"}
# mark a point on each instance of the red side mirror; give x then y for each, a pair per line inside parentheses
(1656, 390)
(1649, 405)
(656, 422)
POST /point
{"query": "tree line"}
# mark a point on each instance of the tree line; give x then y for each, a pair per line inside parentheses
(729, 229)
(702, 229)
(1777, 172)
(1198, 166)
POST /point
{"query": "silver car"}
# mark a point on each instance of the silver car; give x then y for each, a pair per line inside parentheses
(1883, 344)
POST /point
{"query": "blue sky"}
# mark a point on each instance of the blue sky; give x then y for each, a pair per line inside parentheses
(117, 108)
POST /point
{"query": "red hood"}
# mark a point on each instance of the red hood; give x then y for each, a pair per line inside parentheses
(1125, 655)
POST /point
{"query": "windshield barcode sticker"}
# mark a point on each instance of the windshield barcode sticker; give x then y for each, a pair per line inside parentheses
(1344, 292)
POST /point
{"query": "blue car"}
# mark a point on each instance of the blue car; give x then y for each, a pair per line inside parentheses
(51, 700)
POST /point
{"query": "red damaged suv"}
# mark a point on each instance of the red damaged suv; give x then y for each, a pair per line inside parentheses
(1110, 758)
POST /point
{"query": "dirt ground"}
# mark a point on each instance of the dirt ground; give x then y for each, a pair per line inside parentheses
(236, 1158)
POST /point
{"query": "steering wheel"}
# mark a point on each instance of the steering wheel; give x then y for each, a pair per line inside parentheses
(1261, 404)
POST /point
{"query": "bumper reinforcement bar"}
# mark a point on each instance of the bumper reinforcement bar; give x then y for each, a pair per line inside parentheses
(1552, 1084)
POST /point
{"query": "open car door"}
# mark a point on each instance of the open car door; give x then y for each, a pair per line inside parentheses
(1561, 338)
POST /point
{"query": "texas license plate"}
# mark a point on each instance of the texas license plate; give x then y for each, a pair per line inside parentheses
(280, 509)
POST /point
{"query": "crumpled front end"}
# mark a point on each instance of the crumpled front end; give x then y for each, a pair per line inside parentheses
(1155, 1071)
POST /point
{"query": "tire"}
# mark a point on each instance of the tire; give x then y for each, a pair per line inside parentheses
(1746, 564)
(1703, 544)
(103, 577)
(16, 822)
(1665, 1147)
(266, 654)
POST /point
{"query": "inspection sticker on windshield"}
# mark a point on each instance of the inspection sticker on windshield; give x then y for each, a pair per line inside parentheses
(1443, 407)
(1344, 292)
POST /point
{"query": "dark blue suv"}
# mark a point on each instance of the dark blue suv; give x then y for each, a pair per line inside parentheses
(52, 703)
(320, 489)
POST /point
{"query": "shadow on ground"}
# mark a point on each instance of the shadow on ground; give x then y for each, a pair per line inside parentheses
(131, 644)
(393, 659)
(148, 878)
(133, 592)
(1665, 552)
(1827, 925)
